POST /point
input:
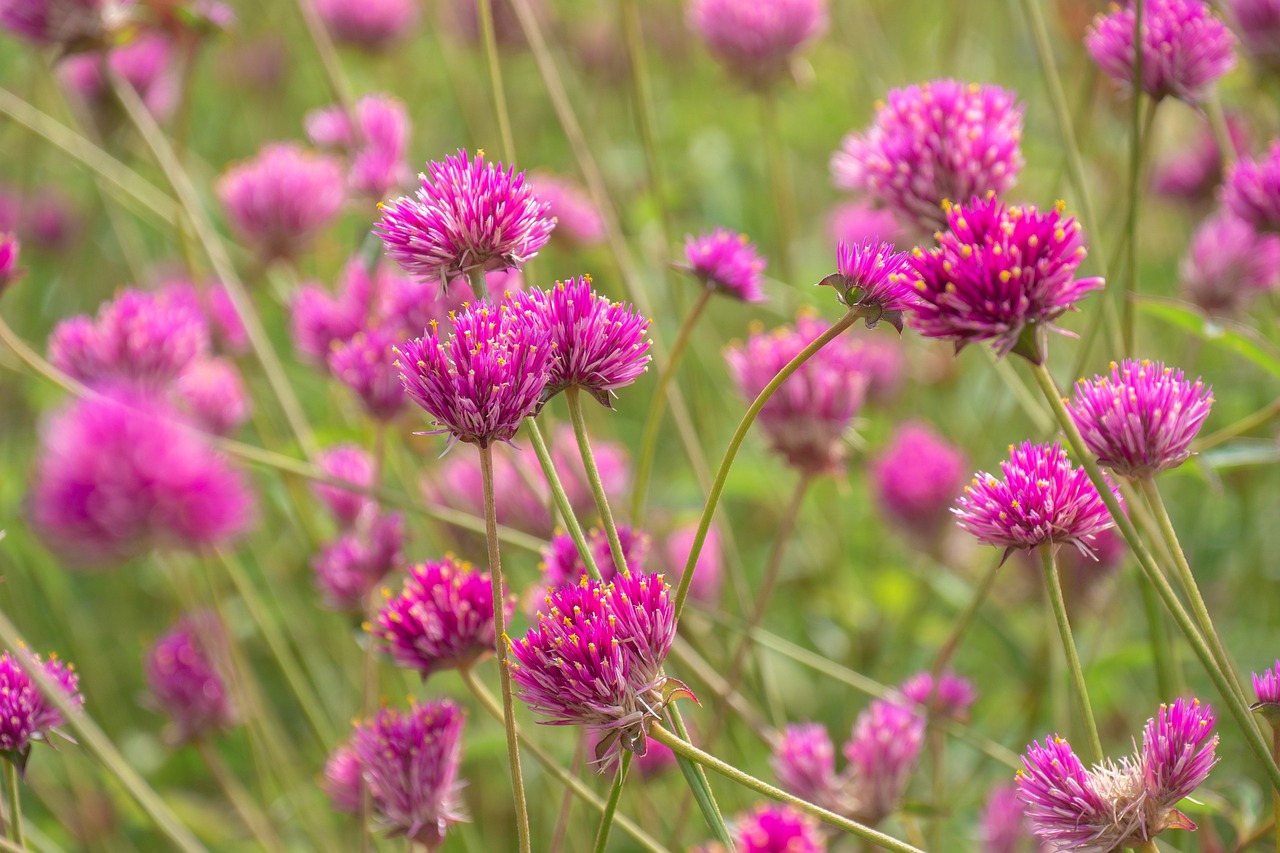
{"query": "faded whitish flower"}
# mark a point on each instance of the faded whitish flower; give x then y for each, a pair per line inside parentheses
(874, 278)
(375, 149)
(351, 463)
(185, 682)
(577, 219)
(26, 714)
(918, 477)
(350, 567)
(1252, 190)
(726, 263)
(756, 40)
(369, 24)
(1228, 265)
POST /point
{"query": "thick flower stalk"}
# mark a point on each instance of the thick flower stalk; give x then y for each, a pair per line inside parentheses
(756, 40)
(726, 263)
(184, 678)
(873, 277)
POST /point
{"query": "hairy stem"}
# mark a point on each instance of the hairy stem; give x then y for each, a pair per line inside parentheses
(1053, 584)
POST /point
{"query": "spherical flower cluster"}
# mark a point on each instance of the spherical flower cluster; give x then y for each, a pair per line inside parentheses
(805, 420)
(936, 141)
(774, 828)
(366, 365)
(120, 472)
(145, 64)
(342, 780)
(26, 714)
(917, 478)
(1185, 48)
(1121, 804)
(213, 302)
(441, 619)
(1252, 190)
(1266, 686)
(375, 148)
(319, 319)
(185, 684)
(595, 659)
(467, 216)
(756, 40)
(949, 695)
(349, 568)
(483, 381)
(281, 198)
(72, 24)
(369, 24)
(1257, 22)
(562, 565)
(1194, 173)
(726, 263)
(873, 277)
(1140, 419)
(1228, 265)
(998, 271)
(9, 270)
(350, 463)
(1042, 500)
(577, 219)
(1003, 827)
(409, 761)
(804, 760)
(211, 392)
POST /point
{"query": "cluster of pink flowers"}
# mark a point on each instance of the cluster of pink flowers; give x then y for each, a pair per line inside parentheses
(757, 41)
(726, 263)
(26, 714)
(369, 24)
(375, 147)
(184, 675)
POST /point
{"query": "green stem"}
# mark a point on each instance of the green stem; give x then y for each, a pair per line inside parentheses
(1167, 681)
(611, 806)
(691, 752)
(948, 649)
(775, 156)
(566, 800)
(254, 820)
(1137, 155)
(15, 803)
(1221, 132)
(653, 420)
(561, 499)
(1240, 427)
(696, 778)
(574, 398)
(328, 55)
(501, 642)
(1148, 846)
(1059, 608)
(479, 283)
(484, 11)
(638, 62)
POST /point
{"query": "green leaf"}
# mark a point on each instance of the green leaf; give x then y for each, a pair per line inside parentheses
(1241, 340)
(697, 780)
(1241, 454)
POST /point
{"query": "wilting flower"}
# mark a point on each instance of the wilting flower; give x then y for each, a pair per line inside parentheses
(349, 568)
(708, 573)
(1252, 190)
(726, 263)
(185, 684)
(441, 619)
(1042, 500)
(145, 64)
(874, 278)
(856, 222)
(805, 420)
(277, 201)
(1185, 48)
(917, 478)
(577, 219)
(342, 780)
(211, 392)
(409, 761)
(72, 24)
(936, 141)
(350, 463)
(1120, 804)
(1257, 22)
(1194, 173)
(997, 273)
(756, 40)
(368, 24)
(9, 270)
(468, 215)
(376, 148)
(774, 828)
(949, 695)
(483, 381)
(26, 714)
(366, 365)
(1229, 264)
(595, 659)
(1141, 419)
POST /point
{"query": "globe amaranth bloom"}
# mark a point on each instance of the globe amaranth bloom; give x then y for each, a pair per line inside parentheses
(935, 141)
(595, 659)
(757, 39)
(917, 478)
(948, 695)
(1252, 190)
(874, 278)
(1185, 48)
(352, 464)
(280, 199)
(441, 619)
(366, 365)
(211, 392)
(342, 780)
(1257, 22)
(375, 148)
(145, 64)
(26, 714)
(805, 420)
(409, 761)
(319, 319)
(71, 24)
(1119, 804)
(1042, 500)
(184, 676)
(578, 222)
(598, 346)
(775, 828)
(369, 24)
(1140, 419)
(1266, 686)
(563, 565)
(727, 263)
(1003, 828)
(213, 302)
(1228, 265)
(1194, 173)
(804, 760)
(483, 380)
(9, 270)
(351, 566)
(998, 273)
(467, 216)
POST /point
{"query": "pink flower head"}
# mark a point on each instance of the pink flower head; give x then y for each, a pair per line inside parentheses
(936, 141)
(1042, 500)
(409, 761)
(1194, 173)
(1257, 22)
(1120, 804)
(280, 199)
(1266, 686)
(856, 222)
(468, 215)
(595, 659)
(805, 420)
(377, 152)
(461, 21)
(1004, 828)
(120, 472)
(342, 780)
(366, 365)
(598, 346)
(562, 565)
(441, 619)
(212, 393)
(1252, 190)
(726, 263)
(708, 573)
(225, 319)
(1141, 419)
(145, 63)
(882, 752)
(948, 696)
(349, 568)
(1185, 48)
(918, 477)
(49, 220)
(1229, 264)
(774, 828)
(72, 24)
(874, 277)
(9, 269)
(804, 760)
(369, 24)
(185, 682)
(404, 303)
(350, 463)
(577, 219)
(483, 381)
(999, 272)
(757, 39)
(319, 320)
(26, 714)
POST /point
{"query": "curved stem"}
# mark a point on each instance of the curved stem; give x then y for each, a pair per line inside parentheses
(574, 398)
(254, 820)
(611, 805)
(500, 642)
(484, 11)
(561, 499)
(775, 156)
(15, 803)
(1054, 586)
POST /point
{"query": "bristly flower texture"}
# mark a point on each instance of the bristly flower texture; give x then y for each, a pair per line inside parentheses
(1120, 804)
(375, 149)
(1140, 420)
(1252, 190)
(948, 696)
(352, 464)
(441, 619)
(1257, 22)
(1185, 48)
(350, 567)
(805, 420)
(183, 677)
(757, 39)
(409, 761)
(936, 141)
(727, 263)
(1266, 686)
(280, 199)
(1229, 264)
(595, 659)
(483, 380)
(369, 24)
(998, 272)
(26, 715)
(1042, 500)
(873, 277)
(598, 346)
(917, 478)
(467, 216)
(366, 365)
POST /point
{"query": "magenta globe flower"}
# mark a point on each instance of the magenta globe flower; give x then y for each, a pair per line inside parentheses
(342, 780)
(352, 464)
(775, 828)
(856, 222)
(948, 696)
(1228, 265)
(757, 39)
(185, 682)
(146, 64)
(874, 278)
(1257, 22)
(1252, 190)
(1185, 48)
(1140, 420)
(70, 24)
(26, 715)
(318, 319)
(882, 752)
(349, 568)
(726, 263)
(1194, 173)
(372, 25)
(562, 565)
(213, 395)
(578, 222)
(1266, 686)
(918, 477)
(929, 143)
(367, 365)
(1003, 827)
(375, 148)
(804, 761)
(999, 273)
